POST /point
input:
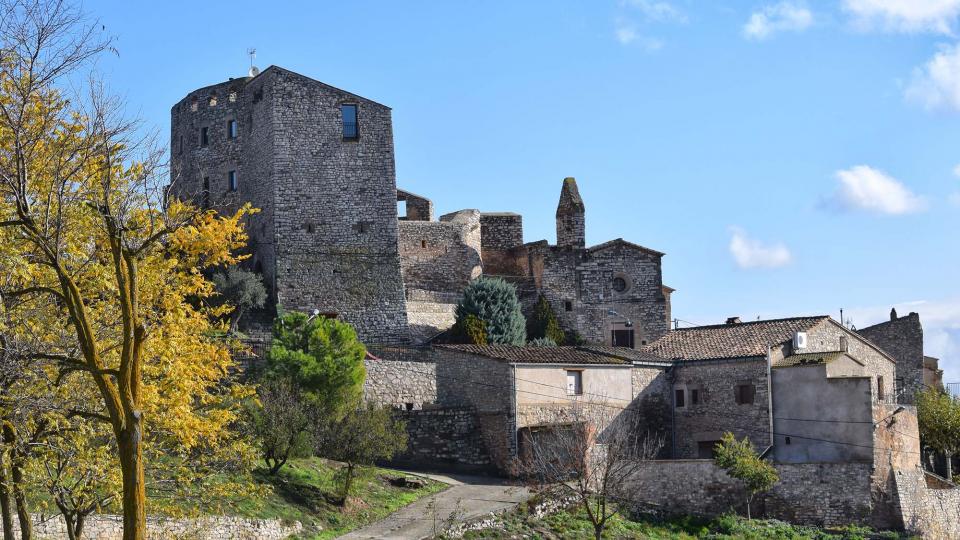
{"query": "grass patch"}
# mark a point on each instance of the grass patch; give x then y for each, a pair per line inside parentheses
(304, 490)
(573, 523)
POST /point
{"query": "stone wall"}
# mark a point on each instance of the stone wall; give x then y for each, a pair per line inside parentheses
(902, 338)
(449, 438)
(327, 235)
(443, 255)
(933, 512)
(418, 208)
(652, 400)
(697, 425)
(826, 337)
(502, 234)
(407, 382)
(810, 493)
(107, 527)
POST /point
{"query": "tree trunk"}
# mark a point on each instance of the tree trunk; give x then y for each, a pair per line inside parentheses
(134, 494)
(598, 531)
(5, 507)
(749, 500)
(347, 482)
(949, 465)
(78, 527)
(68, 521)
(23, 509)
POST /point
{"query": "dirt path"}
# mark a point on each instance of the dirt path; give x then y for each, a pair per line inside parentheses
(468, 498)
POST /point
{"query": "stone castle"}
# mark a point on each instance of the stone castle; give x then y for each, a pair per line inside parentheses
(319, 164)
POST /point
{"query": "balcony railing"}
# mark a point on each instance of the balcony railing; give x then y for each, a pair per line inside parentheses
(350, 131)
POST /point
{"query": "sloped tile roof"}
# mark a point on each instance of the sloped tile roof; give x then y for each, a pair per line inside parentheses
(809, 358)
(729, 340)
(539, 355)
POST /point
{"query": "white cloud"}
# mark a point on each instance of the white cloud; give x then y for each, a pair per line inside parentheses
(941, 328)
(936, 16)
(656, 10)
(956, 170)
(936, 85)
(627, 34)
(750, 253)
(865, 188)
(954, 198)
(782, 17)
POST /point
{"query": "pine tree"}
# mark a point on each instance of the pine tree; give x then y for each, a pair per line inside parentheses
(494, 301)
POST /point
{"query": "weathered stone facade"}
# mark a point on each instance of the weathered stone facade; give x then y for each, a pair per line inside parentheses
(901, 338)
(702, 420)
(441, 256)
(407, 381)
(327, 234)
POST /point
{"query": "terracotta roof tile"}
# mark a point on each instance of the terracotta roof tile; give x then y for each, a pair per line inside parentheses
(539, 355)
(739, 340)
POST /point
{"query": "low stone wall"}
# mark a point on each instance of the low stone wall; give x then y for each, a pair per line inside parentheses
(444, 439)
(108, 527)
(821, 494)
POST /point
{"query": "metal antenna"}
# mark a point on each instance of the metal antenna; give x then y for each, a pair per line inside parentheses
(253, 54)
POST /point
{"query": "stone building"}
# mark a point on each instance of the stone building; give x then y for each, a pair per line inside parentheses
(902, 337)
(319, 164)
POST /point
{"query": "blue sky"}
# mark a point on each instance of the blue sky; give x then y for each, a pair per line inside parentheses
(789, 157)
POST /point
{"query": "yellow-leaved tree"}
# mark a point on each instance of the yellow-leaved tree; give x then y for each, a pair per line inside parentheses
(99, 277)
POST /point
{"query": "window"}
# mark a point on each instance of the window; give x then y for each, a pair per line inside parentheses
(567, 305)
(232, 129)
(204, 138)
(574, 383)
(880, 390)
(350, 127)
(206, 192)
(619, 284)
(695, 396)
(423, 244)
(679, 400)
(362, 227)
(232, 180)
(707, 449)
(744, 394)
(622, 338)
(788, 440)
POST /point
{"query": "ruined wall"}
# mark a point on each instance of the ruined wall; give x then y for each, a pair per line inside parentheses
(441, 256)
(418, 208)
(820, 494)
(718, 410)
(902, 338)
(502, 234)
(933, 512)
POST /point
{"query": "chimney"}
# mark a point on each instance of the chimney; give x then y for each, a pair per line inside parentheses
(733, 320)
(893, 314)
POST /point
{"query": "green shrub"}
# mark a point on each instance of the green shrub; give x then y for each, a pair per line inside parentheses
(543, 322)
(573, 338)
(494, 301)
(542, 342)
(470, 330)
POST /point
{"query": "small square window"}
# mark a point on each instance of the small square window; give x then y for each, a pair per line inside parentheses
(744, 394)
(679, 398)
(574, 383)
(204, 136)
(232, 180)
(567, 305)
(695, 396)
(351, 129)
(232, 129)
(423, 244)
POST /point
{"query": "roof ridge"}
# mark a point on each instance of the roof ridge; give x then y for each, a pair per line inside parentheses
(752, 323)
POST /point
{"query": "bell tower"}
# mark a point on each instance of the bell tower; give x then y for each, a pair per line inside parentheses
(570, 216)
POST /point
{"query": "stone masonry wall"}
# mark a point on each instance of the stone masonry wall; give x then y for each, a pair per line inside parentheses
(825, 337)
(810, 493)
(718, 410)
(652, 398)
(107, 527)
(408, 383)
(441, 256)
(449, 439)
(933, 512)
(902, 338)
(502, 237)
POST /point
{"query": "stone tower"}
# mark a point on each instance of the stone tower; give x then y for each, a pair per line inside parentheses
(319, 164)
(570, 216)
